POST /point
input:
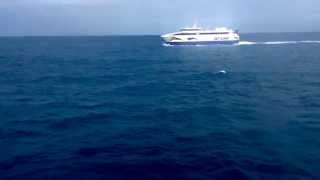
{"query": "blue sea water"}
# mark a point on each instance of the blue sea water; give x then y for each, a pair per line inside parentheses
(129, 107)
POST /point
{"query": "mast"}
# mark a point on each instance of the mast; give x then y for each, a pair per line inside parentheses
(195, 24)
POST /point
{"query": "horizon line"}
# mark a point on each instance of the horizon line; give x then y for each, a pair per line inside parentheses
(101, 35)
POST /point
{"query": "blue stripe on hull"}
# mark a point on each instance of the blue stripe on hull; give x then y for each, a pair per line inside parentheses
(204, 43)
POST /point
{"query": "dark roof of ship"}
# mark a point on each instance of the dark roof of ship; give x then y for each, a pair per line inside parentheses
(190, 29)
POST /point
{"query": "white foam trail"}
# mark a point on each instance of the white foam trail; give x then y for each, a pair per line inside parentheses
(246, 43)
(281, 42)
(277, 42)
(241, 43)
(290, 42)
(309, 41)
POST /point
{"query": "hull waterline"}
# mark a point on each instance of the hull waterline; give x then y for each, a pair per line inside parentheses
(203, 43)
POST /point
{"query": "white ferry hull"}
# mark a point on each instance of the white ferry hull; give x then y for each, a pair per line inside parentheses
(198, 36)
(202, 42)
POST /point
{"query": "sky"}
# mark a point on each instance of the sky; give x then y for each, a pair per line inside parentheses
(129, 17)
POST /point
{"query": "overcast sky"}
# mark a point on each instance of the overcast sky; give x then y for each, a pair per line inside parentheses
(103, 17)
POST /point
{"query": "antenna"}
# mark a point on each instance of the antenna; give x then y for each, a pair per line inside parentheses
(195, 24)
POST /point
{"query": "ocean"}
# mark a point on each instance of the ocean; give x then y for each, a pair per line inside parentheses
(130, 107)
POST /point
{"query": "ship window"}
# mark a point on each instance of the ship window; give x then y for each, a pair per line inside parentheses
(186, 34)
(196, 29)
(214, 33)
(174, 38)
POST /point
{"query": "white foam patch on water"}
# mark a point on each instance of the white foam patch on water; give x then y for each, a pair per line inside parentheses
(246, 43)
(222, 72)
(166, 45)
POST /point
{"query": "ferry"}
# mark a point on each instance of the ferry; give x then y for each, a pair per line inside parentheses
(199, 36)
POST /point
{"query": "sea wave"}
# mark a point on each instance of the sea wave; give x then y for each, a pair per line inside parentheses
(137, 110)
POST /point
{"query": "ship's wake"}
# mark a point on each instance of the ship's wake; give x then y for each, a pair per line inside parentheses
(246, 43)
(277, 42)
(166, 45)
